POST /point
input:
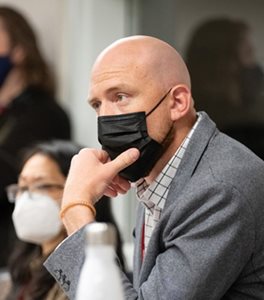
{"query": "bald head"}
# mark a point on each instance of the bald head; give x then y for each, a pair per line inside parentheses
(151, 58)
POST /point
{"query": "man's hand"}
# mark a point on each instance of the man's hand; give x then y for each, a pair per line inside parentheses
(91, 176)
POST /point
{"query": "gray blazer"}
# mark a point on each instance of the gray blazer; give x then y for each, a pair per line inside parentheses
(209, 242)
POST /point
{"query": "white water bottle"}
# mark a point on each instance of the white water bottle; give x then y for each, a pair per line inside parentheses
(100, 277)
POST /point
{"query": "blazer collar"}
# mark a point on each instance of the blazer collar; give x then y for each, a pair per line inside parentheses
(205, 130)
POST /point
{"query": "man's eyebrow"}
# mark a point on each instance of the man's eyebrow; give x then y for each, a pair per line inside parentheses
(90, 100)
(108, 91)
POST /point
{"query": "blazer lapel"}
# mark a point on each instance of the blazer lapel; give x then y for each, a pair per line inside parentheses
(205, 130)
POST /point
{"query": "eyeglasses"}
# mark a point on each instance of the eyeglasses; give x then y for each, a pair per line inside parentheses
(14, 190)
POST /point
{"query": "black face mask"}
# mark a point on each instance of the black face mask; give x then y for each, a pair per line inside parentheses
(118, 133)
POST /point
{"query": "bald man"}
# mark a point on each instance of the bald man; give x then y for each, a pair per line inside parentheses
(200, 227)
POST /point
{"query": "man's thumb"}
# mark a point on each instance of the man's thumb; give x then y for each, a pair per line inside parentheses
(125, 159)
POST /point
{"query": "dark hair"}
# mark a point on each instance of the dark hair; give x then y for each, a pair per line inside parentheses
(212, 57)
(61, 151)
(34, 68)
(21, 261)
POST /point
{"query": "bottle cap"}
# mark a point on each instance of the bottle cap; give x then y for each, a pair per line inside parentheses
(100, 234)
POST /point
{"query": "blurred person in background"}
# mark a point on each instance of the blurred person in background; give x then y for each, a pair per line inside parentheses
(37, 197)
(28, 109)
(227, 81)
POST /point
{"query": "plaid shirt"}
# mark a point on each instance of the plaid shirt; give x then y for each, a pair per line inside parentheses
(154, 196)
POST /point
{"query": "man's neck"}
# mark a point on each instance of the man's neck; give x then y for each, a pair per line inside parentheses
(167, 155)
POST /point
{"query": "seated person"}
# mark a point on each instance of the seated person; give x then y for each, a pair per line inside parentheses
(199, 232)
(37, 198)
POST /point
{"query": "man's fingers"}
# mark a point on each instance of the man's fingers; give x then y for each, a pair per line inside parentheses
(124, 160)
(123, 183)
(110, 193)
(102, 155)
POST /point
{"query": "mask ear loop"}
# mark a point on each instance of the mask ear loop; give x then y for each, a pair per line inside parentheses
(163, 98)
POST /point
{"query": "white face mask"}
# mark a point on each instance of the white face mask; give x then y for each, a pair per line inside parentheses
(36, 218)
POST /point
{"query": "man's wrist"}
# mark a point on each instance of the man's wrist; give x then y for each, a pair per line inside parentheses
(76, 216)
(77, 203)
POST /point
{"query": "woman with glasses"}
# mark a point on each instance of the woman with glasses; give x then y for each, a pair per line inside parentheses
(37, 197)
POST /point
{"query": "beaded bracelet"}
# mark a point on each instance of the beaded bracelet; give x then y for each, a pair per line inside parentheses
(69, 205)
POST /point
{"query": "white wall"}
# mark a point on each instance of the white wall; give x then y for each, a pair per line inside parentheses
(90, 27)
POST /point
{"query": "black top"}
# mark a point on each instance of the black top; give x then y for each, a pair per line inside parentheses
(32, 116)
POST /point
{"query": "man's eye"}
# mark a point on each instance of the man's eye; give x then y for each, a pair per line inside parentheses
(121, 97)
(95, 105)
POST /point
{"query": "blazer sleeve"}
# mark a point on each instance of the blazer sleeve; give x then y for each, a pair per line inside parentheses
(65, 263)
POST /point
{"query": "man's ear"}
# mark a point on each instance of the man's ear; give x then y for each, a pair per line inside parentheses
(17, 55)
(181, 101)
